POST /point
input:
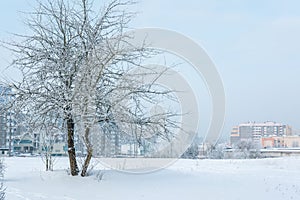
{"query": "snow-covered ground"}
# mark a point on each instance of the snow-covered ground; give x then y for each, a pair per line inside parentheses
(266, 179)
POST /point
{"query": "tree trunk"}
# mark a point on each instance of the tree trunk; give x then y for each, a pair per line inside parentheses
(71, 147)
(89, 153)
(50, 163)
(87, 162)
(47, 166)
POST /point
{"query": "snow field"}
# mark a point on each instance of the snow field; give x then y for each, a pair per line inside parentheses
(276, 179)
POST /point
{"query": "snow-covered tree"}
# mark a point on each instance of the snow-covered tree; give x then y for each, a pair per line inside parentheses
(75, 65)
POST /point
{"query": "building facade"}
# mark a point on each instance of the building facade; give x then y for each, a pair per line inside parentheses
(254, 132)
(6, 121)
(106, 141)
(281, 142)
(12, 134)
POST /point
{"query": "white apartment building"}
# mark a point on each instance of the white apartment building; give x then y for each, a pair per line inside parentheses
(253, 131)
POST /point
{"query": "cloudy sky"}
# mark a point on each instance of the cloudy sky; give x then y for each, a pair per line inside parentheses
(255, 45)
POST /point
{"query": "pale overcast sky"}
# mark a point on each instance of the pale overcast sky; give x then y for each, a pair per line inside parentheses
(255, 45)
